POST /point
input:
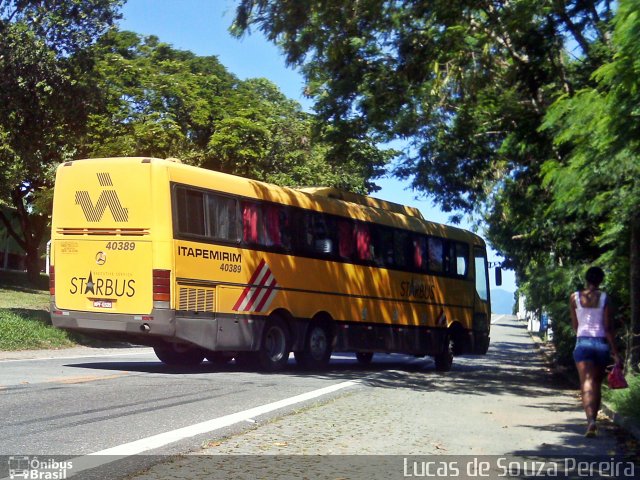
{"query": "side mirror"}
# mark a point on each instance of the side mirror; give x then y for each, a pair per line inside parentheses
(498, 276)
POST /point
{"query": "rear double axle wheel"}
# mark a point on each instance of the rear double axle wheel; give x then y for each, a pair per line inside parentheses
(317, 348)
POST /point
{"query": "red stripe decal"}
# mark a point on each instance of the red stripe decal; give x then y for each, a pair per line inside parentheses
(267, 292)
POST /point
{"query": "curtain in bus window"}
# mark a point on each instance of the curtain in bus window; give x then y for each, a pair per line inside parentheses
(190, 211)
(420, 253)
(250, 219)
(436, 254)
(346, 244)
(272, 224)
(223, 217)
(363, 242)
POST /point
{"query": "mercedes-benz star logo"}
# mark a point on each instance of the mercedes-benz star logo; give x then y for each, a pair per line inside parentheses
(101, 258)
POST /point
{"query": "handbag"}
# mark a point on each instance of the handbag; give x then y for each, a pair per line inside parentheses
(616, 377)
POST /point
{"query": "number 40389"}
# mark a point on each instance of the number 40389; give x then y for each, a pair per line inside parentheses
(121, 246)
(230, 267)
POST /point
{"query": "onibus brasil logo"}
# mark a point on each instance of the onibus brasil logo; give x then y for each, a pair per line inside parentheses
(108, 198)
(22, 466)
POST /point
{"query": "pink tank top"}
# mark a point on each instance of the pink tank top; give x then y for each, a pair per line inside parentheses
(591, 320)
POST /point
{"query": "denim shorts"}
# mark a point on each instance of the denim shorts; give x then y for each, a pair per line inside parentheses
(592, 349)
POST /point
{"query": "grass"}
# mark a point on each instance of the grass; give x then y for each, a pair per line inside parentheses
(16, 292)
(625, 401)
(29, 329)
(24, 315)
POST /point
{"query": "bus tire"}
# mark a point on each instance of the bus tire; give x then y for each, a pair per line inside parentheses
(444, 360)
(364, 358)
(317, 348)
(275, 346)
(179, 355)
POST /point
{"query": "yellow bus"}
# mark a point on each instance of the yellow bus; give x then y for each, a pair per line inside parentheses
(197, 263)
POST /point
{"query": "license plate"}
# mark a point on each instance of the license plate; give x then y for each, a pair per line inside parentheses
(102, 304)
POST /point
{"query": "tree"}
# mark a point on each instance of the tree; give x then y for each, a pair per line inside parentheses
(598, 180)
(154, 100)
(74, 87)
(467, 84)
(41, 107)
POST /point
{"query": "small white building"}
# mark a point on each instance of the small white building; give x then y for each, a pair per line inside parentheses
(538, 322)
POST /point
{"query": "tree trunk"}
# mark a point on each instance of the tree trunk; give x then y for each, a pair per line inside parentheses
(633, 343)
(32, 264)
(28, 235)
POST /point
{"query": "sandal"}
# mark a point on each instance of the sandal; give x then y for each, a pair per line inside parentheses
(592, 430)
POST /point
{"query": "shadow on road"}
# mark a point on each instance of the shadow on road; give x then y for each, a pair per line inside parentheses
(510, 367)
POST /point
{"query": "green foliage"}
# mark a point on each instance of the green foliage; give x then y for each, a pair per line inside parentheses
(73, 87)
(625, 401)
(64, 26)
(42, 106)
(596, 181)
(525, 113)
(466, 83)
(154, 100)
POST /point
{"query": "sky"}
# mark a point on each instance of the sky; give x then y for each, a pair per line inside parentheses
(201, 26)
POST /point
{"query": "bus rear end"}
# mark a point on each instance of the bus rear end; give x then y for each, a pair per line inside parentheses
(110, 272)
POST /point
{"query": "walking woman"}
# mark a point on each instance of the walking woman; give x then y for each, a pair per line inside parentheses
(591, 320)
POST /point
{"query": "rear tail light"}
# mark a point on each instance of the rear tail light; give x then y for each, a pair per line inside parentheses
(52, 280)
(161, 285)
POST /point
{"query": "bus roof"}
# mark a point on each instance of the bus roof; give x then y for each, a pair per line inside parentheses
(338, 194)
(325, 199)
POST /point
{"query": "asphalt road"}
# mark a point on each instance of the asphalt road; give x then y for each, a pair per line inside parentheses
(126, 402)
(89, 402)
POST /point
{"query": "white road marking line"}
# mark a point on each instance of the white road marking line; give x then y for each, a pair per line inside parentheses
(76, 357)
(119, 452)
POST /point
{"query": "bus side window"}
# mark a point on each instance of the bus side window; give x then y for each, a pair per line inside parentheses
(436, 254)
(317, 235)
(363, 242)
(252, 223)
(401, 248)
(420, 257)
(346, 238)
(325, 233)
(284, 225)
(383, 246)
(190, 211)
(272, 228)
(482, 275)
(224, 218)
(449, 257)
(461, 259)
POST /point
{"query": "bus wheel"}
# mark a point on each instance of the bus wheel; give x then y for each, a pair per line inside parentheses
(275, 346)
(317, 348)
(444, 360)
(364, 358)
(179, 355)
